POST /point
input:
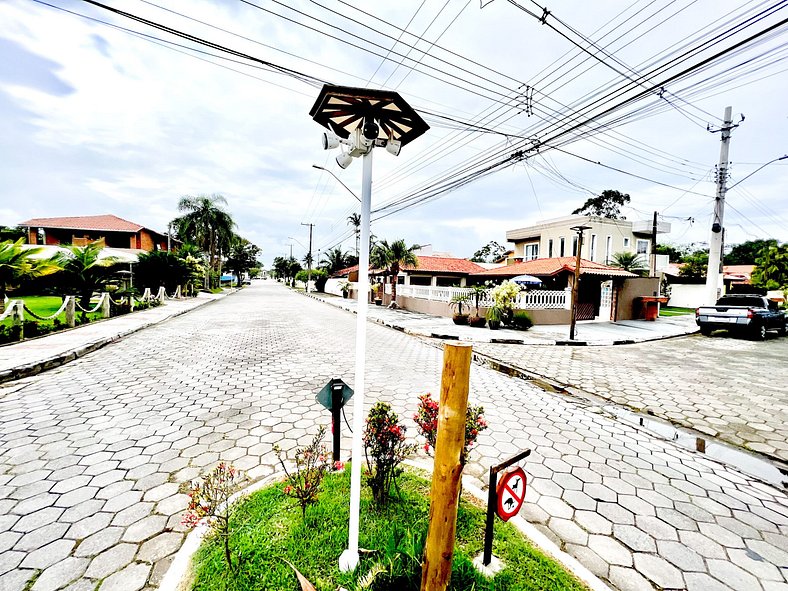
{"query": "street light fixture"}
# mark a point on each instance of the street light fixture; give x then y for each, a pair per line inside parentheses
(358, 120)
(349, 190)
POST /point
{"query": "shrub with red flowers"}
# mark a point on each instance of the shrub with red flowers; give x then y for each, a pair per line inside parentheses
(426, 419)
(303, 483)
(209, 497)
(384, 449)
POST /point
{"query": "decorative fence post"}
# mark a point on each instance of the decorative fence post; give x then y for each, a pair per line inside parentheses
(447, 471)
(105, 305)
(568, 298)
(70, 310)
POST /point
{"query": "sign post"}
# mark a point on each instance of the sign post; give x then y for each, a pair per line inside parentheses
(504, 498)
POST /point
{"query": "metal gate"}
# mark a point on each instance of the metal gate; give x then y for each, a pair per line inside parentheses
(584, 311)
(606, 300)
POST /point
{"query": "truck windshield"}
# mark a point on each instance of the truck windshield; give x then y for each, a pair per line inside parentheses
(740, 301)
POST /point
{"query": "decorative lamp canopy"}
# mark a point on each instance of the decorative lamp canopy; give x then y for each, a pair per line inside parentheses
(342, 109)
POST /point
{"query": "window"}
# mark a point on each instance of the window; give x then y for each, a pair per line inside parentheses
(626, 242)
(550, 248)
(562, 246)
(642, 246)
(531, 252)
(592, 254)
(608, 249)
(574, 246)
(422, 281)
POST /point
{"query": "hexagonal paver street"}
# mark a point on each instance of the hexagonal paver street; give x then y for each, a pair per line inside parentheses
(92, 454)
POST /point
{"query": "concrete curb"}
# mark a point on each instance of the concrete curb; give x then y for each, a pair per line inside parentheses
(505, 341)
(175, 577)
(31, 369)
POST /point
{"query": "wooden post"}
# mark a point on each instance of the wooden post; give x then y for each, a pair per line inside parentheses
(71, 311)
(447, 472)
(105, 305)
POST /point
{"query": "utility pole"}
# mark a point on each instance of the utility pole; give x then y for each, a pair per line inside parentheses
(575, 285)
(653, 265)
(715, 244)
(309, 257)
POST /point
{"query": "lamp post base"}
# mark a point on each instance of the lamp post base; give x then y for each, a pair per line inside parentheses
(348, 561)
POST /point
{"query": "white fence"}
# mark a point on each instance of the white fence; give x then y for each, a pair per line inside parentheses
(538, 299)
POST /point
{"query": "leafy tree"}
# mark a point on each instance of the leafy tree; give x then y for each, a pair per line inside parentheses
(393, 257)
(629, 261)
(157, 268)
(334, 260)
(18, 263)
(675, 253)
(254, 272)
(771, 268)
(83, 271)
(12, 233)
(286, 268)
(303, 277)
(489, 253)
(206, 223)
(695, 265)
(242, 257)
(747, 252)
(606, 205)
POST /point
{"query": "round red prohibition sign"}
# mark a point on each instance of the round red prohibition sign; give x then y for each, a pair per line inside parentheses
(511, 493)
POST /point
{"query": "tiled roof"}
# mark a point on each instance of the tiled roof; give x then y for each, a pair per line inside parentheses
(445, 265)
(345, 272)
(548, 267)
(106, 223)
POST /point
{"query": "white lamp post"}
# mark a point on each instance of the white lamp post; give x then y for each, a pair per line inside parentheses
(359, 119)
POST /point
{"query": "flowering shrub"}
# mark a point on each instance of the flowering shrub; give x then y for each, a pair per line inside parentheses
(505, 294)
(311, 465)
(384, 449)
(209, 497)
(427, 421)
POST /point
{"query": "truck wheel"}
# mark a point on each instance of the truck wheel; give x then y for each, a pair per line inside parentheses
(759, 332)
(705, 331)
(783, 330)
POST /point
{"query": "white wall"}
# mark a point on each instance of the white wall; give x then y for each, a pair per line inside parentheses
(685, 295)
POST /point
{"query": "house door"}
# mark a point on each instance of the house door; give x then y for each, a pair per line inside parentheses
(606, 300)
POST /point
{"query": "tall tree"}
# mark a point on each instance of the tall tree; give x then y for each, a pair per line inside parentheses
(206, 223)
(771, 268)
(695, 264)
(489, 253)
(83, 271)
(393, 257)
(606, 205)
(747, 252)
(675, 253)
(354, 219)
(18, 263)
(334, 260)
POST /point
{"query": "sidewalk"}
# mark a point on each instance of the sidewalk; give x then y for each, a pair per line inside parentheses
(587, 333)
(19, 360)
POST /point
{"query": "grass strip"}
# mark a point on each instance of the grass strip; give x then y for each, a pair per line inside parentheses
(267, 529)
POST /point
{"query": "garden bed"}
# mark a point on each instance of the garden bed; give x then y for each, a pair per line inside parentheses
(267, 530)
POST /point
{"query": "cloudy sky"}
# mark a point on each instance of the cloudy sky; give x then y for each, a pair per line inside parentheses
(100, 113)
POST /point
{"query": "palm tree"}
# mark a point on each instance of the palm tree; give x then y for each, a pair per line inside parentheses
(334, 260)
(207, 224)
(393, 257)
(18, 263)
(629, 261)
(354, 219)
(83, 270)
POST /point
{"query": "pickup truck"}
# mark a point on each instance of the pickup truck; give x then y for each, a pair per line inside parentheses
(746, 313)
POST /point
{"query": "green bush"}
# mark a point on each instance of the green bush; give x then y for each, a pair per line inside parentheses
(521, 320)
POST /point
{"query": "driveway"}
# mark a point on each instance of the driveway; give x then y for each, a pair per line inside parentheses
(93, 454)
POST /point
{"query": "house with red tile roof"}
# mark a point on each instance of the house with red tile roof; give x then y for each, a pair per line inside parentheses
(110, 230)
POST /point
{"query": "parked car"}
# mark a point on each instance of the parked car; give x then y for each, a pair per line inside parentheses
(751, 314)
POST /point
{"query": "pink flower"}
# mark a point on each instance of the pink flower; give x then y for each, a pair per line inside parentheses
(339, 465)
(288, 489)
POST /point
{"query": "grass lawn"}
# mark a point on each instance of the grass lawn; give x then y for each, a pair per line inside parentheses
(267, 529)
(46, 306)
(674, 311)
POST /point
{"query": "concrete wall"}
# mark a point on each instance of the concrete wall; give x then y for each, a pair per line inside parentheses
(688, 295)
(626, 306)
(443, 309)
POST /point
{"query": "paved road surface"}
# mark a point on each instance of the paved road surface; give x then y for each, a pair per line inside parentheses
(92, 454)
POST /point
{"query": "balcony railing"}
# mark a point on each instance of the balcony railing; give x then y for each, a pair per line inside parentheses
(538, 299)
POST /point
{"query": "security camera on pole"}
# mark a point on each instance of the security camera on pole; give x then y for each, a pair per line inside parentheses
(358, 120)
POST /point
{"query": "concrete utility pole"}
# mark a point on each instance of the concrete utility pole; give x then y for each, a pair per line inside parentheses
(309, 257)
(575, 285)
(715, 243)
(653, 265)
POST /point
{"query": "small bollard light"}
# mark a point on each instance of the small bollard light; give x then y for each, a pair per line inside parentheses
(333, 397)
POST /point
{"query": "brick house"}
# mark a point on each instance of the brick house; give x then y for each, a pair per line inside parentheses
(110, 230)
